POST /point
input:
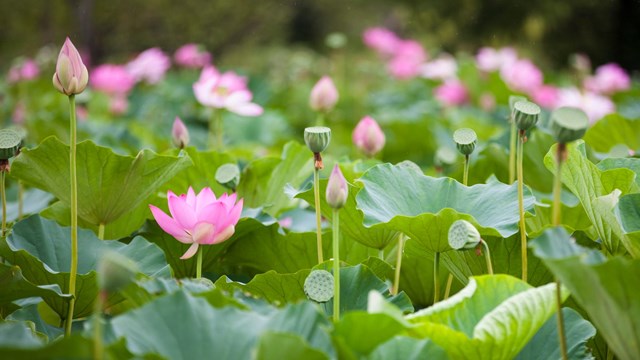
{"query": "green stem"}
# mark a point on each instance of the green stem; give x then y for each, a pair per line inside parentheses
(101, 231)
(523, 231)
(396, 279)
(381, 254)
(436, 277)
(447, 289)
(215, 130)
(316, 194)
(487, 256)
(465, 176)
(20, 200)
(609, 353)
(74, 215)
(561, 336)
(512, 152)
(3, 194)
(336, 265)
(199, 263)
(320, 119)
(557, 188)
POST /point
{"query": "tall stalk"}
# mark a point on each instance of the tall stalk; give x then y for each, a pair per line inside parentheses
(216, 128)
(512, 151)
(557, 188)
(465, 181)
(336, 264)
(487, 256)
(396, 279)
(74, 214)
(199, 263)
(316, 195)
(436, 277)
(523, 232)
(3, 194)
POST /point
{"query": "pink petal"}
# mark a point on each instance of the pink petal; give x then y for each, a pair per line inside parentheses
(204, 198)
(203, 232)
(170, 226)
(224, 235)
(239, 97)
(191, 198)
(193, 249)
(214, 214)
(182, 213)
(246, 109)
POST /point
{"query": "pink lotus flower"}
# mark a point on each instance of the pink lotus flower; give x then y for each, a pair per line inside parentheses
(225, 91)
(368, 137)
(192, 56)
(71, 74)
(118, 104)
(407, 60)
(337, 189)
(489, 59)
(199, 219)
(545, 96)
(179, 134)
(451, 93)
(382, 40)
(522, 75)
(594, 105)
(609, 78)
(324, 95)
(487, 101)
(27, 70)
(112, 79)
(150, 66)
(444, 67)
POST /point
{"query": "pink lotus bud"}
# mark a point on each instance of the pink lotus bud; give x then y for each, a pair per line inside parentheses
(179, 134)
(451, 93)
(192, 56)
(337, 189)
(324, 95)
(29, 70)
(71, 75)
(368, 137)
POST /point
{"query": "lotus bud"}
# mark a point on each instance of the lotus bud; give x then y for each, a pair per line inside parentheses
(463, 235)
(318, 286)
(324, 95)
(9, 144)
(115, 271)
(568, 124)
(337, 189)
(179, 134)
(228, 175)
(317, 138)
(525, 114)
(71, 76)
(368, 137)
(465, 140)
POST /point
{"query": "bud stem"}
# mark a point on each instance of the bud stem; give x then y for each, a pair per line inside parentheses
(199, 263)
(436, 277)
(316, 195)
(320, 119)
(74, 214)
(487, 256)
(3, 194)
(557, 188)
(523, 230)
(336, 265)
(512, 151)
(396, 280)
(215, 130)
(465, 175)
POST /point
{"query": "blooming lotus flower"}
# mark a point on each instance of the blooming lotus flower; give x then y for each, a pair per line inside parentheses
(192, 56)
(522, 75)
(225, 91)
(337, 189)
(112, 79)
(451, 93)
(382, 40)
(150, 66)
(71, 74)
(545, 96)
(608, 79)
(489, 59)
(199, 219)
(407, 60)
(594, 105)
(179, 134)
(368, 137)
(324, 95)
(444, 67)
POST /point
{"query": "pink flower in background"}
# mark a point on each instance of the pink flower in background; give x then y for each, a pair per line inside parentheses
(192, 56)
(179, 134)
(444, 67)
(19, 112)
(522, 76)
(225, 90)
(29, 70)
(545, 96)
(608, 79)
(118, 104)
(451, 93)
(382, 40)
(150, 66)
(487, 101)
(324, 95)
(112, 79)
(368, 137)
(594, 105)
(407, 60)
(489, 59)
(199, 219)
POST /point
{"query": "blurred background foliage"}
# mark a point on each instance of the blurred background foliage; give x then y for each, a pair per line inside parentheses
(239, 30)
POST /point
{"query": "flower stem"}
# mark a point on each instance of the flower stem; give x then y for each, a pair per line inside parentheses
(20, 200)
(199, 263)
(316, 194)
(320, 119)
(74, 215)
(436, 277)
(523, 231)
(215, 130)
(557, 188)
(561, 336)
(447, 289)
(465, 175)
(101, 231)
(487, 256)
(512, 152)
(396, 279)
(336, 265)
(3, 194)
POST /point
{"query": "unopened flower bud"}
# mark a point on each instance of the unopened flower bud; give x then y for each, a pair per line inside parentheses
(324, 95)
(115, 271)
(317, 138)
(568, 124)
(463, 235)
(9, 144)
(337, 189)
(179, 134)
(368, 137)
(465, 140)
(228, 175)
(525, 114)
(71, 76)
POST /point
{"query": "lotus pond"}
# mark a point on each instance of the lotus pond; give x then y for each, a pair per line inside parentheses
(384, 205)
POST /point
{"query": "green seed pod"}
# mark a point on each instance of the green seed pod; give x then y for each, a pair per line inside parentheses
(465, 140)
(525, 114)
(463, 235)
(115, 271)
(319, 286)
(228, 175)
(9, 143)
(568, 124)
(317, 138)
(513, 99)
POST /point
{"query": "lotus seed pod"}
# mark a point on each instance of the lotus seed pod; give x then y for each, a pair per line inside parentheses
(9, 143)
(318, 286)
(463, 235)
(525, 114)
(115, 271)
(568, 124)
(465, 140)
(228, 175)
(317, 138)
(513, 99)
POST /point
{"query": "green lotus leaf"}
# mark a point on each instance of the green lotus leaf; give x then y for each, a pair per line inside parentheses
(406, 348)
(611, 131)
(632, 164)
(282, 345)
